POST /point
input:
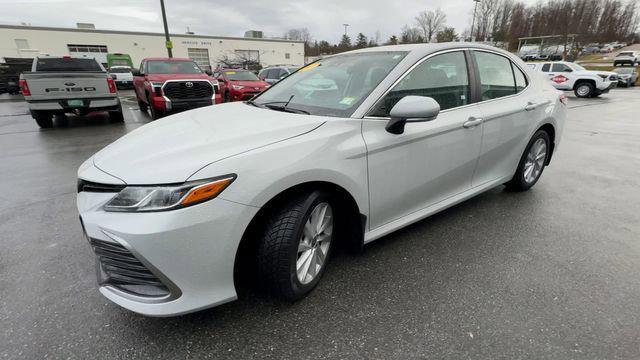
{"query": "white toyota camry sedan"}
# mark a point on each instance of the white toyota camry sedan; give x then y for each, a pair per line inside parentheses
(340, 153)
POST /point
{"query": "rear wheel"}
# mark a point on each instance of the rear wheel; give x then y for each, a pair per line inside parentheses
(227, 97)
(44, 119)
(532, 163)
(584, 90)
(296, 244)
(116, 115)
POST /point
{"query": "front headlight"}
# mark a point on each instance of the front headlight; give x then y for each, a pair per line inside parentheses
(167, 197)
(238, 87)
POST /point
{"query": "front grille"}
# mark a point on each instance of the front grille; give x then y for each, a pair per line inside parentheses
(89, 186)
(119, 268)
(178, 90)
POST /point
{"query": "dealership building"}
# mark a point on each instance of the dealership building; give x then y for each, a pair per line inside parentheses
(208, 51)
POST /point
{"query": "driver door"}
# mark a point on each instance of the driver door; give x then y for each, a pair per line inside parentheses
(431, 161)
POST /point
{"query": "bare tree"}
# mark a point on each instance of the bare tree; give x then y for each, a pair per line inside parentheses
(410, 35)
(301, 34)
(430, 22)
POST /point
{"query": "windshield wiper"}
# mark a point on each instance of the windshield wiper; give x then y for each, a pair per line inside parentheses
(272, 105)
(253, 103)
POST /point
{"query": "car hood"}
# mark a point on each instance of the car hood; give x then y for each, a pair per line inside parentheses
(172, 149)
(595, 72)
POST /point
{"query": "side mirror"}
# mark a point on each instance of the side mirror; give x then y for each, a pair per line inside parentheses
(208, 72)
(412, 109)
(136, 72)
(221, 79)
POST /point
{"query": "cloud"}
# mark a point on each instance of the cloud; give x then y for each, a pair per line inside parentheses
(324, 19)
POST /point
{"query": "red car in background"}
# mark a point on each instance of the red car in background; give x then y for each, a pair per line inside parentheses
(165, 85)
(238, 84)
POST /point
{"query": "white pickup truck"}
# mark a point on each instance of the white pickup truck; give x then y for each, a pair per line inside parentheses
(58, 85)
(570, 76)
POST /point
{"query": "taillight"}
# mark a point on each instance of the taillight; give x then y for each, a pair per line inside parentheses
(112, 85)
(564, 99)
(24, 88)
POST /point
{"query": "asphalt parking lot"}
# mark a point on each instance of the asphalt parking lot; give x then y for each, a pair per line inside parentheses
(547, 274)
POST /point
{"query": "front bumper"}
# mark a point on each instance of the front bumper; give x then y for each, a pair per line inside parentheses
(607, 86)
(191, 250)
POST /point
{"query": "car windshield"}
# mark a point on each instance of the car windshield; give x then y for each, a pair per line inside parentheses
(577, 67)
(334, 86)
(625, 54)
(624, 71)
(241, 76)
(173, 67)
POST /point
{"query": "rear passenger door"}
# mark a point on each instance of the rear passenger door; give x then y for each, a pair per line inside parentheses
(509, 111)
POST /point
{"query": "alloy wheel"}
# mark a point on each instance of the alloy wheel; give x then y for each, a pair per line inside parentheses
(314, 243)
(583, 90)
(535, 161)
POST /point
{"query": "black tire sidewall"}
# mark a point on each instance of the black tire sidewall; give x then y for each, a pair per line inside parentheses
(312, 200)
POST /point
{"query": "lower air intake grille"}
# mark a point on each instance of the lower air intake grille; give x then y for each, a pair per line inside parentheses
(119, 268)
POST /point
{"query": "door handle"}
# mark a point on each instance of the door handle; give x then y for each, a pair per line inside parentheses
(532, 106)
(472, 122)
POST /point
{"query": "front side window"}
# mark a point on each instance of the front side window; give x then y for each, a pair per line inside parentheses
(560, 68)
(546, 67)
(333, 86)
(442, 77)
(172, 67)
(496, 75)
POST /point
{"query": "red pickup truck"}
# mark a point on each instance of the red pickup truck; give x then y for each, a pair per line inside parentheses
(238, 84)
(164, 85)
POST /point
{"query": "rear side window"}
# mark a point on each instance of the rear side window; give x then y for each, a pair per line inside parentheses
(67, 64)
(521, 80)
(496, 76)
(546, 67)
(442, 77)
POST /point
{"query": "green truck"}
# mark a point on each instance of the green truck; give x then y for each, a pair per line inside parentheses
(117, 59)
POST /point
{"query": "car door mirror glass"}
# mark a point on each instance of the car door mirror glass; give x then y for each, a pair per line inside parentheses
(412, 109)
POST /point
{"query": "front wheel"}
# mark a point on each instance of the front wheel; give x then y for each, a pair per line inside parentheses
(296, 244)
(155, 113)
(585, 90)
(532, 162)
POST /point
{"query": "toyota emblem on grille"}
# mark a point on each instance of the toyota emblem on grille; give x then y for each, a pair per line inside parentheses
(257, 88)
(188, 84)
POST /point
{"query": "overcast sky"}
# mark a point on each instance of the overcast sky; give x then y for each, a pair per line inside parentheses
(323, 18)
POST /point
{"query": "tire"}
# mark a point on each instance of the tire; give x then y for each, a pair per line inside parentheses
(44, 119)
(285, 243)
(227, 97)
(584, 90)
(142, 106)
(523, 179)
(155, 114)
(116, 116)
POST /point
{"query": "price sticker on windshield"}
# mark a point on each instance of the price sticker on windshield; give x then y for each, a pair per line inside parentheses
(230, 72)
(309, 67)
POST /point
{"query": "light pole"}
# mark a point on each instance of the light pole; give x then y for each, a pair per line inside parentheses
(168, 43)
(473, 22)
(345, 28)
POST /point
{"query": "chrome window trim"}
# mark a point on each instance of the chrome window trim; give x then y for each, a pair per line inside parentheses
(471, 49)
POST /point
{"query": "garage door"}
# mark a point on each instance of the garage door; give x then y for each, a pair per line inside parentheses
(200, 56)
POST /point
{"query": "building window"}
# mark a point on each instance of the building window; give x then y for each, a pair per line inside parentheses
(287, 56)
(200, 56)
(248, 55)
(87, 48)
(22, 44)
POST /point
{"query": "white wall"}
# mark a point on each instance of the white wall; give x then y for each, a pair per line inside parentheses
(53, 41)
